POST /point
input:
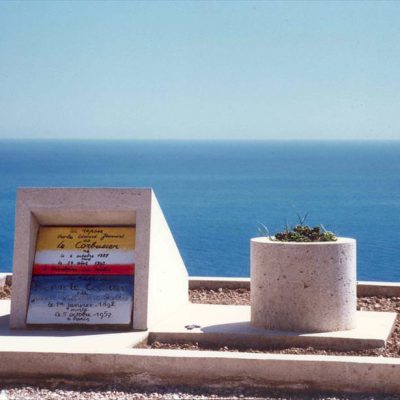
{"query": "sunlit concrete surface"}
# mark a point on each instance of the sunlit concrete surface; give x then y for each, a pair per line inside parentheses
(230, 325)
(90, 356)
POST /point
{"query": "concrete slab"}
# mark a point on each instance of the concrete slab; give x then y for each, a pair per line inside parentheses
(218, 325)
(90, 357)
(230, 325)
(71, 341)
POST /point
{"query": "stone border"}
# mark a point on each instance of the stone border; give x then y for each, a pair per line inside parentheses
(364, 288)
(388, 289)
(209, 369)
(214, 283)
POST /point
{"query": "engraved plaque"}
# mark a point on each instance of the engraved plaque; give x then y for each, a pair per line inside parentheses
(83, 276)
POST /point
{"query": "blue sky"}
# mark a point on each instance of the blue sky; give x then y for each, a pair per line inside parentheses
(200, 70)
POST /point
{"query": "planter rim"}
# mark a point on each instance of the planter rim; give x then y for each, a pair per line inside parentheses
(267, 240)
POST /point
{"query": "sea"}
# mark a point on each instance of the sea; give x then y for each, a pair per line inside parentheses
(215, 194)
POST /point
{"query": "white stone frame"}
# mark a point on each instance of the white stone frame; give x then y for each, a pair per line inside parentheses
(161, 280)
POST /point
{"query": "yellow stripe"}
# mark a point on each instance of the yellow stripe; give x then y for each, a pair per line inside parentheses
(89, 237)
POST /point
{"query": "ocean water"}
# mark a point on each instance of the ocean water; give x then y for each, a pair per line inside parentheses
(214, 194)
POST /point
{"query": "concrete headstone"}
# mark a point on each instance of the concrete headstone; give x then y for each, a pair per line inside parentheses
(94, 257)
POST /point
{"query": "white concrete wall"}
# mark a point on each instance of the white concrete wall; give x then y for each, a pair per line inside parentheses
(168, 277)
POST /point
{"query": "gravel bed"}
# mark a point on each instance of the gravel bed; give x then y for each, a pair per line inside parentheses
(72, 392)
(221, 296)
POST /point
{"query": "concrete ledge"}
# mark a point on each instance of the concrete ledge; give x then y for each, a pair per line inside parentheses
(208, 282)
(387, 289)
(209, 369)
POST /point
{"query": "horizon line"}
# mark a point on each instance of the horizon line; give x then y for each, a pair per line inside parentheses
(200, 140)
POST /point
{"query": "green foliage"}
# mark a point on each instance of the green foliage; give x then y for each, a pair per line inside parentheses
(304, 233)
(301, 233)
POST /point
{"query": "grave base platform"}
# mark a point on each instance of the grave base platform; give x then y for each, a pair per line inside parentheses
(98, 357)
(210, 325)
(224, 325)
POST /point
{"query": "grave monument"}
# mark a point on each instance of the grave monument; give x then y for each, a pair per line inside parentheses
(102, 258)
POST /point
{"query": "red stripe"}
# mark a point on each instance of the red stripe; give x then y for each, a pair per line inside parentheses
(55, 269)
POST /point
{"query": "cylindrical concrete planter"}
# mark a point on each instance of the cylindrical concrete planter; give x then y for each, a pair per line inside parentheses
(303, 287)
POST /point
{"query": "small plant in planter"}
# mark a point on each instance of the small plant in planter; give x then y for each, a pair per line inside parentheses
(303, 279)
(301, 233)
